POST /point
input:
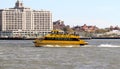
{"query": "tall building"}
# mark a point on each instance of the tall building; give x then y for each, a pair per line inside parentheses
(22, 21)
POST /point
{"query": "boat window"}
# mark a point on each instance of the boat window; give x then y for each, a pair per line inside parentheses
(74, 39)
(62, 39)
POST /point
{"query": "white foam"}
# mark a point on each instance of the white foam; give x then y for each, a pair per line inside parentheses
(60, 46)
(108, 45)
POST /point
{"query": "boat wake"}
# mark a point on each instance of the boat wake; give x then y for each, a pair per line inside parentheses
(108, 45)
(61, 46)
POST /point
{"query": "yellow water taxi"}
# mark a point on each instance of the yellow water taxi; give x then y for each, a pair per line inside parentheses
(58, 38)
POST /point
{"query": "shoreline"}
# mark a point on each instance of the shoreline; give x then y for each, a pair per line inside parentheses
(84, 38)
(105, 37)
(17, 38)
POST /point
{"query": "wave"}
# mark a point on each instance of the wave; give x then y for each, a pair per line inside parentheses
(108, 45)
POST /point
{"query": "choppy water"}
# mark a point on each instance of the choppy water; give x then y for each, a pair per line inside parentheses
(21, 54)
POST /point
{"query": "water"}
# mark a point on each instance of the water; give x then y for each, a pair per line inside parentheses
(104, 41)
(21, 54)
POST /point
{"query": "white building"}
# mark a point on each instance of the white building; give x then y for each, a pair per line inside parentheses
(25, 19)
(117, 32)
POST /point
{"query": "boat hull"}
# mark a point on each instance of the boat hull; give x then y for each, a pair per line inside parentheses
(48, 43)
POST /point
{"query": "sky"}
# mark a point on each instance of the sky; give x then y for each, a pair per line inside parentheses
(100, 13)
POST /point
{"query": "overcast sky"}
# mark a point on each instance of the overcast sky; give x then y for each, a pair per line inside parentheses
(102, 13)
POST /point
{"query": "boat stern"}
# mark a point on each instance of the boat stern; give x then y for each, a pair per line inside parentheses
(36, 42)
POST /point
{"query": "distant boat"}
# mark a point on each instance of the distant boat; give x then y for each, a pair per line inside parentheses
(58, 38)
